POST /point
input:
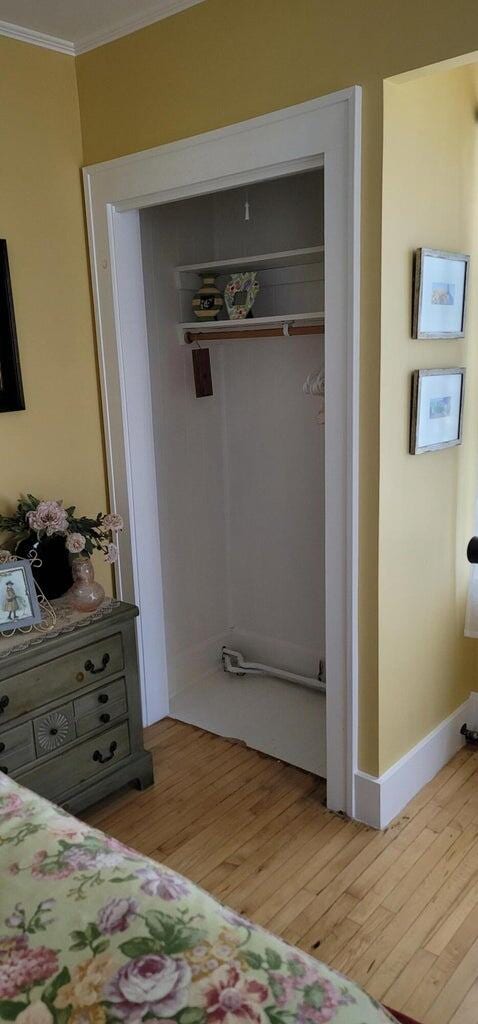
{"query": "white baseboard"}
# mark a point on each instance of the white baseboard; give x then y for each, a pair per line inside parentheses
(378, 800)
(195, 663)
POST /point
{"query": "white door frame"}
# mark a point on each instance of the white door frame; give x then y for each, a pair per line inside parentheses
(323, 130)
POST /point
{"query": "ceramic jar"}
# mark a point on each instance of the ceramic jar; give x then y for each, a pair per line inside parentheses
(208, 301)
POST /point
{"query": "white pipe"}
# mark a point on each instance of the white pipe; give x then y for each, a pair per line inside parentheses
(256, 668)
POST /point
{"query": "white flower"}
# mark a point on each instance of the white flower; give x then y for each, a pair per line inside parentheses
(111, 554)
(75, 543)
(113, 522)
(35, 1013)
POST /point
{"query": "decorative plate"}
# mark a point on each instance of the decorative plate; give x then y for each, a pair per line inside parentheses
(240, 294)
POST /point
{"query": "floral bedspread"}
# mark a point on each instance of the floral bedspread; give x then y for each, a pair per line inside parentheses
(93, 933)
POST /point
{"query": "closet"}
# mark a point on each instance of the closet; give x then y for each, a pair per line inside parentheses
(240, 472)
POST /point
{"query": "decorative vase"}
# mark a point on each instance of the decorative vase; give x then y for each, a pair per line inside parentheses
(240, 294)
(85, 595)
(208, 301)
(54, 575)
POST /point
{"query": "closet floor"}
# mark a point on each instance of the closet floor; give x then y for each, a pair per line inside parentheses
(270, 715)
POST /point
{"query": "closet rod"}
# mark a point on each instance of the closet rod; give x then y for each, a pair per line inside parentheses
(258, 332)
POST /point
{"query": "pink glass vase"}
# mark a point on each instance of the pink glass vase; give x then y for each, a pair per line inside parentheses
(85, 595)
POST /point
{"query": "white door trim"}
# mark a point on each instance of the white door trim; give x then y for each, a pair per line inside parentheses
(324, 130)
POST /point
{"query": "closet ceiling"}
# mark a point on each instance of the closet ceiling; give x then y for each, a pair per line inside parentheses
(73, 27)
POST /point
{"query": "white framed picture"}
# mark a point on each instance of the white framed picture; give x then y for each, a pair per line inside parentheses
(439, 294)
(436, 419)
(18, 598)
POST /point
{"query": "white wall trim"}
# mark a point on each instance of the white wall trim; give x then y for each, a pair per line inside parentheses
(28, 35)
(325, 131)
(378, 800)
(165, 9)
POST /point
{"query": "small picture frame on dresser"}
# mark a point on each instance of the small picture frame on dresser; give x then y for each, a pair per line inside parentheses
(19, 608)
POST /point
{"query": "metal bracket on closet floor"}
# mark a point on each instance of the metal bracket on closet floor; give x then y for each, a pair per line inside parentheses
(233, 662)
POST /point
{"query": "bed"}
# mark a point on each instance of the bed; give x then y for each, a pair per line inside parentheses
(93, 933)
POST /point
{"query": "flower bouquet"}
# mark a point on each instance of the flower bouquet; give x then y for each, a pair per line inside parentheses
(57, 534)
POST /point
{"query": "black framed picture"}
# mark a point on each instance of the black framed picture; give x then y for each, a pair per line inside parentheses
(11, 387)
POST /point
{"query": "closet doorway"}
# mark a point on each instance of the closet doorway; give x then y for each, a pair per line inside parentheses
(241, 504)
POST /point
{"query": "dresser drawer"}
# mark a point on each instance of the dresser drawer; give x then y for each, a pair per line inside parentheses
(17, 736)
(53, 679)
(54, 729)
(100, 717)
(100, 699)
(84, 762)
(16, 747)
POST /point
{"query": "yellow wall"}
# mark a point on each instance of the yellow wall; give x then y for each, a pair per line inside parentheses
(211, 66)
(184, 75)
(54, 447)
(426, 502)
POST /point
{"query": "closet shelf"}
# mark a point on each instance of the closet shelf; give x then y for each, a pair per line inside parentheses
(256, 327)
(266, 261)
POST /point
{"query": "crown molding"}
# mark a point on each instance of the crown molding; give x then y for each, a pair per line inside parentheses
(165, 9)
(28, 35)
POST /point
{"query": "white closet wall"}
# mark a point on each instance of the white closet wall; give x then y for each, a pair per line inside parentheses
(189, 457)
(275, 509)
(240, 474)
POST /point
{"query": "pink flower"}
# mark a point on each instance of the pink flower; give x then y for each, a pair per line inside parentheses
(10, 805)
(321, 1000)
(116, 915)
(44, 868)
(49, 516)
(230, 995)
(111, 555)
(75, 543)
(155, 984)
(22, 967)
(113, 522)
(164, 884)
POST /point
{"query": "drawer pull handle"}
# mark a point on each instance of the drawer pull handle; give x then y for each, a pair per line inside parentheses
(89, 666)
(4, 769)
(2, 748)
(4, 702)
(105, 717)
(98, 756)
(103, 698)
(80, 677)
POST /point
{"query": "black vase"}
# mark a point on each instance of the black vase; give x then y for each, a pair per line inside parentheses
(54, 574)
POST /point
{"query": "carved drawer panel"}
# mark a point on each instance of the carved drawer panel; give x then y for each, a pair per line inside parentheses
(86, 760)
(54, 729)
(100, 699)
(101, 716)
(54, 679)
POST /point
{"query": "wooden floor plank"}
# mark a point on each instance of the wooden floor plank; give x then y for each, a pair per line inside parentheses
(397, 911)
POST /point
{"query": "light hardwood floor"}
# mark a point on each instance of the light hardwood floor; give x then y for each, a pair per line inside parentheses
(397, 910)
